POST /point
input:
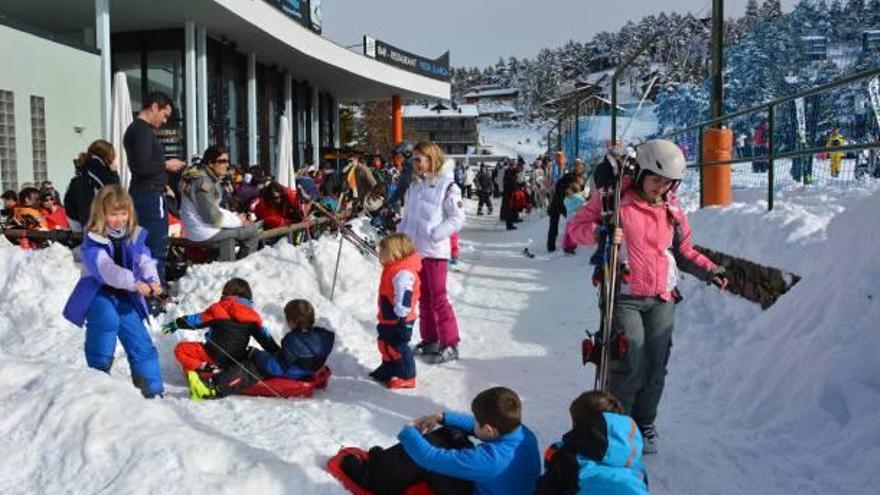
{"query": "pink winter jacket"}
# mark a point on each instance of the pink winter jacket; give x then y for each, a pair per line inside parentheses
(649, 233)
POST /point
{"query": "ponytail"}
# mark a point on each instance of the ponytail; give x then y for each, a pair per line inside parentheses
(99, 148)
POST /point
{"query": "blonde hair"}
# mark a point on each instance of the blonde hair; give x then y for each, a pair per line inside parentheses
(110, 198)
(397, 247)
(433, 153)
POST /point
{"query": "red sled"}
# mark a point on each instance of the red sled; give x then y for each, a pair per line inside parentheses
(288, 387)
(335, 468)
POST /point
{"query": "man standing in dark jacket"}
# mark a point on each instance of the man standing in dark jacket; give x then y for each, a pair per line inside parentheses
(508, 214)
(557, 203)
(149, 173)
(484, 189)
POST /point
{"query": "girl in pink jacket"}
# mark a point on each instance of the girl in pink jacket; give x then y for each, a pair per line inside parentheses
(655, 243)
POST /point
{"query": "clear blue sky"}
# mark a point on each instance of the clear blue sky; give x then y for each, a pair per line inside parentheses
(479, 31)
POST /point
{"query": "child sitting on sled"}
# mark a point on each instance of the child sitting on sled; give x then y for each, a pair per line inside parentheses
(601, 454)
(232, 322)
(304, 350)
(505, 462)
(399, 292)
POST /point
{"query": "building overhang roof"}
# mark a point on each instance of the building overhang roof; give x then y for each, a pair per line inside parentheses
(255, 26)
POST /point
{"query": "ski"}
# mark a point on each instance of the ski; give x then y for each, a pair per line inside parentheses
(351, 236)
(609, 286)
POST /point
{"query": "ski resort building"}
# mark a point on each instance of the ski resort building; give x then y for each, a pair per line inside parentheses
(453, 128)
(232, 67)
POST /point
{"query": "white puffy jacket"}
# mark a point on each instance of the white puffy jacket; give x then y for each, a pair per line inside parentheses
(432, 212)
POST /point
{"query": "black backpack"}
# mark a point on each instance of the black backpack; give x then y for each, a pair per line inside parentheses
(78, 197)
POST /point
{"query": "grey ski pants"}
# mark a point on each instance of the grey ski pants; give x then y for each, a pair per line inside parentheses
(244, 237)
(638, 379)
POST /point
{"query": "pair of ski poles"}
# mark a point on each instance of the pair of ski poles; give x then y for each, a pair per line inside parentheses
(345, 234)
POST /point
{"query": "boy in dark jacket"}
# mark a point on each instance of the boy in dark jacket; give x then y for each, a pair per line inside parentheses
(602, 454)
(232, 322)
(505, 462)
(304, 350)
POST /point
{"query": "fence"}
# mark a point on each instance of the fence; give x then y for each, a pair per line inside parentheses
(825, 136)
(176, 244)
(591, 120)
(780, 145)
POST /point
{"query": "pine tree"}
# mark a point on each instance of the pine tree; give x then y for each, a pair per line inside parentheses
(752, 15)
(771, 10)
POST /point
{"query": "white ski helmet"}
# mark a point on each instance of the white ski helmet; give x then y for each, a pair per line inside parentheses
(663, 158)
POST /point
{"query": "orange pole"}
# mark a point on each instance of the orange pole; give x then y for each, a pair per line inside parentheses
(717, 146)
(396, 119)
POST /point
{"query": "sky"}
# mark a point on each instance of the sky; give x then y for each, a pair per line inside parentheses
(478, 32)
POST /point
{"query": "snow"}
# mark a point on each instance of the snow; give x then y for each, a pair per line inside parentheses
(492, 93)
(773, 402)
(422, 111)
(514, 139)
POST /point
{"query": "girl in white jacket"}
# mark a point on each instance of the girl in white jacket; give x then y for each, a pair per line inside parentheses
(432, 213)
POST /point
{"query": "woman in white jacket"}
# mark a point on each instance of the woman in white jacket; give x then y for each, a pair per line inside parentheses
(432, 213)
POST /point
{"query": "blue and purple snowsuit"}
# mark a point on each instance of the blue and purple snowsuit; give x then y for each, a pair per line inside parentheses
(105, 299)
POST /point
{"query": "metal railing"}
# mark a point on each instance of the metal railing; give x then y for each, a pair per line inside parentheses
(803, 151)
(565, 133)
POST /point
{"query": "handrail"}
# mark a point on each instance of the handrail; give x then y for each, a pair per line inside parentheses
(779, 101)
(63, 235)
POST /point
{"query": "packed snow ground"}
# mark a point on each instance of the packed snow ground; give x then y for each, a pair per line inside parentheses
(772, 402)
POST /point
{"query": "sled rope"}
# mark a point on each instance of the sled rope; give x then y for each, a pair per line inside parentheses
(263, 382)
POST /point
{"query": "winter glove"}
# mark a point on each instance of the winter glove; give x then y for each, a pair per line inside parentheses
(170, 327)
(719, 278)
(209, 368)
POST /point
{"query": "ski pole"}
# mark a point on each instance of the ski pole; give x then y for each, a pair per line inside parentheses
(336, 270)
(353, 237)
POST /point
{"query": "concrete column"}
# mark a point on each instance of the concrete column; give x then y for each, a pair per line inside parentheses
(102, 41)
(252, 107)
(316, 122)
(288, 111)
(335, 116)
(396, 119)
(191, 115)
(202, 81)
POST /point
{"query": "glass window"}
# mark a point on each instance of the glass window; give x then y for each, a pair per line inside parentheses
(8, 160)
(165, 73)
(38, 138)
(130, 64)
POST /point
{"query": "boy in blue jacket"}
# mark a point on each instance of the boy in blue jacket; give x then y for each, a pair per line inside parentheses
(505, 462)
(602, 454)
(304, 349)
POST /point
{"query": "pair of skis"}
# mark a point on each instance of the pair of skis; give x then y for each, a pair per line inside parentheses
(348, 234)
(345, 234)
(610, 281)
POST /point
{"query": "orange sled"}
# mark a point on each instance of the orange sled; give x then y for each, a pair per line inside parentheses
(335, 468)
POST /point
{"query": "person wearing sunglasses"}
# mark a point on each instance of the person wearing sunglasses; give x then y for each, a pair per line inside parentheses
(53, 213)
(203, 217)
(278, 206)
(432, 213)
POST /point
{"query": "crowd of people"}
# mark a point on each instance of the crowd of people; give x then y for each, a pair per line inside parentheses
(419, 195)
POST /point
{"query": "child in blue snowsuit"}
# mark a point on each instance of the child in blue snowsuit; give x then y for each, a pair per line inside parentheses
(505, 462)
(117, 272)
(602, 454)
(304, 350)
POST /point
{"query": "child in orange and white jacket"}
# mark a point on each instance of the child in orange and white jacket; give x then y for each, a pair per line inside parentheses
(399, 291)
